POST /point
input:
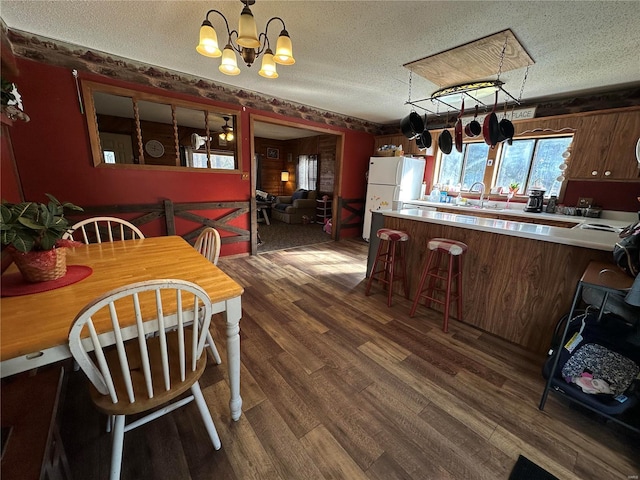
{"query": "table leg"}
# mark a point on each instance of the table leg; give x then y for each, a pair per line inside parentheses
(232, 314)
(266, 216)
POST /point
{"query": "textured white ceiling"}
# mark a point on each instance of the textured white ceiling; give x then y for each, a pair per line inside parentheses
(349, 54)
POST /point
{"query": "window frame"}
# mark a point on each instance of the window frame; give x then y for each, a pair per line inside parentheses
(493, 161)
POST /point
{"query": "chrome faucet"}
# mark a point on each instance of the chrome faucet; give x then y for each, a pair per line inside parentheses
(481, 192)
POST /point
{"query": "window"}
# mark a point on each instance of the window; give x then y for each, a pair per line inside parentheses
(464, 168)
(529, 162)
(533, 161)
(219, 160)
(307, 172)
(109, 157)
(123, 123)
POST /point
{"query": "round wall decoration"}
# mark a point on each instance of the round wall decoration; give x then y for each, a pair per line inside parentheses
(154, 148)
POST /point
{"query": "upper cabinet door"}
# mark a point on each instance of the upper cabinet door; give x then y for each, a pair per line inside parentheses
(591, 145)
(621, 161)
(604, 147)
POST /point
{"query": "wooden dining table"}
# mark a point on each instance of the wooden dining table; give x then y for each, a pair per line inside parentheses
(34, 328)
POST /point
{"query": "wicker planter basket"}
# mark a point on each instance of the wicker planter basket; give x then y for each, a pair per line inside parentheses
(41, 266)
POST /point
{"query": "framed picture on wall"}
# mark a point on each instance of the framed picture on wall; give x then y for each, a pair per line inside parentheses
(273, 153)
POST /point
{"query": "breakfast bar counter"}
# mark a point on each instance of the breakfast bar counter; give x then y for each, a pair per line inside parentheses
(518, 279)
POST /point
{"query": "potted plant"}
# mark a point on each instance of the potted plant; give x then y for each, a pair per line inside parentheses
(33, 235)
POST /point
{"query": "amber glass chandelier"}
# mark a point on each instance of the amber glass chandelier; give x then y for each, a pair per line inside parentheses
(247, 43)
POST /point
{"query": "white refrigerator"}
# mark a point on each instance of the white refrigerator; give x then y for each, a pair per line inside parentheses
(391, 179)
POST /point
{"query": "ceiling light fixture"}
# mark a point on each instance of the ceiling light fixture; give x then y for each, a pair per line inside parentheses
(248, 44)
(227, 131)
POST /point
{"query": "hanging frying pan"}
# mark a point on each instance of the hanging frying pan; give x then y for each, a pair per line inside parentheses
(445, 142)
(458, 129)
(473, 128)
(412, 125)
(424, 139)
(490, 128)
(506, 127)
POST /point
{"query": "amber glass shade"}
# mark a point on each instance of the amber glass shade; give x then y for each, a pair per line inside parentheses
(229, 63)
(284, 50)
(247, 30)
(208, 45)
(268, 69)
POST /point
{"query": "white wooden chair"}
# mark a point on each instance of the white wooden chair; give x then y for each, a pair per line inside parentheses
(132, 371)
(208, 244)
(94, 228)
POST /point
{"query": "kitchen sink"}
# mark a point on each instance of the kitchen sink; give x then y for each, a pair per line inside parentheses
(476, 207)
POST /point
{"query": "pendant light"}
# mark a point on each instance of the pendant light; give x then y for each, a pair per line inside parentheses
(248, 43)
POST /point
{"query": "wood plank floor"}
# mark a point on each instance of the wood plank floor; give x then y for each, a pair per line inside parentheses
(338, 386)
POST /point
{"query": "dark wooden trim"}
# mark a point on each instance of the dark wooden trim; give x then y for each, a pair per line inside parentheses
(169, 213)
(170, 210)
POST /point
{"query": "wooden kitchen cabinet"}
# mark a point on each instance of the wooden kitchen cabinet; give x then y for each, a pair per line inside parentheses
(408, 146)
(604, 147)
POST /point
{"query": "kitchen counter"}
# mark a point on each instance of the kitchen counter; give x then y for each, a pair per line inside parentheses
(519, 278)
(576, 236)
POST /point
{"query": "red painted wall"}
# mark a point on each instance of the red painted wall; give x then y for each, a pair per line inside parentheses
(621, 196)
(53, 155)
(9, 186)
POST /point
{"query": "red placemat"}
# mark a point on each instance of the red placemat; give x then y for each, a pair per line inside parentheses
(13, 284)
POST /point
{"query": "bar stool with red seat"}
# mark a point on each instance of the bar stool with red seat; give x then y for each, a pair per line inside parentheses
(435, 271)
(391, 257)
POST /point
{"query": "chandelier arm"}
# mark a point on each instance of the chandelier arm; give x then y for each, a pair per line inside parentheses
(223, 17)
(266, 28)
(264, 43)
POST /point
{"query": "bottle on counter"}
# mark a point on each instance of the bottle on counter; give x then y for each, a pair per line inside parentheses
(435, 194)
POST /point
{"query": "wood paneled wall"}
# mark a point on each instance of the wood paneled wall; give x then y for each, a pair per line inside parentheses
(269, 169)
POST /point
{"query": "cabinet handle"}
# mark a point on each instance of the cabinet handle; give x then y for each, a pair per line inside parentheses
(607, 173)
(594, 173)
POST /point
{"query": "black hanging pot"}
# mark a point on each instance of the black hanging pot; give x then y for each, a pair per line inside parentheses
(445, 142)
(424, 140)
(507, 129)
(412, 125)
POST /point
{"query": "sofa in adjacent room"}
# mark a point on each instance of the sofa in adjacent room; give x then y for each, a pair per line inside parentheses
(291, 208)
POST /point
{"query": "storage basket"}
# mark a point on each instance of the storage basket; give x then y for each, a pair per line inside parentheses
(390, 153)
(41, 266)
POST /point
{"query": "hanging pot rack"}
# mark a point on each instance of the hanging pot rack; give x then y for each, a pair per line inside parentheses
(473, 90)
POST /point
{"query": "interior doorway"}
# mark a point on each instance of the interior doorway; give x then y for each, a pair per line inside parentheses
(276, 147)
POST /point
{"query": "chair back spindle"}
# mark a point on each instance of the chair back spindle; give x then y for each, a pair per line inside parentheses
(92, 230)
(175, 334)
